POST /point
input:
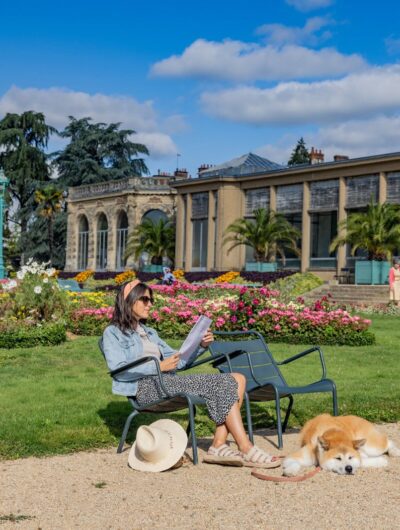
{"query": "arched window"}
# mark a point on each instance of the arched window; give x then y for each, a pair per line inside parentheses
(102, 242)
(122, 235)
(155, 216)
(83, 243)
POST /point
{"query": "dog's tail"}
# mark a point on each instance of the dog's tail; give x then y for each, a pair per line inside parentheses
(393, 450)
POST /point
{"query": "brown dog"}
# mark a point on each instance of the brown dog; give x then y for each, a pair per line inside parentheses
(341, 444)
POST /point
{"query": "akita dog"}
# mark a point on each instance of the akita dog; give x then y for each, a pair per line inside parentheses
(341, 444)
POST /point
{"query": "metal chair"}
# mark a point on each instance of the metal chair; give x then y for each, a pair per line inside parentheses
(171, 403)
(265, 382)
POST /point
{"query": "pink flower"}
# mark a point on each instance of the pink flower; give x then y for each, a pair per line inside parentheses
(277, 327)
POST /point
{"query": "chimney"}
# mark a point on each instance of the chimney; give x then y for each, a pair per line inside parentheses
(316, 157)
(338, 158)
(203, 167)
(181, 174)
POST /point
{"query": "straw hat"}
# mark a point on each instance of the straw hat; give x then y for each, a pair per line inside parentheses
(158, 446)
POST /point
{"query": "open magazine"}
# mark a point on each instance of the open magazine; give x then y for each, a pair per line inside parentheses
(196, 334)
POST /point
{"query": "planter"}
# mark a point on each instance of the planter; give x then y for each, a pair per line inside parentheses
(372, 272)
(259, 266)
(152, 268)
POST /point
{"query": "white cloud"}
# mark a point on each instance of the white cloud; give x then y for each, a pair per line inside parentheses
(239, 61)
(279, 34)
(309, 5)
(353, 138)
(358, 95)
(392, 45)
(58, 103)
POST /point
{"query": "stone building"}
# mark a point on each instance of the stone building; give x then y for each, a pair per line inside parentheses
(313, 197)
(101, 216)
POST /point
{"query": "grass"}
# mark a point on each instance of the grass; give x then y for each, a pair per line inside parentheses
(58, 399)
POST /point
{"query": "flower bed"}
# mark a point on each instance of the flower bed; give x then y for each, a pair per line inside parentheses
(177, 308)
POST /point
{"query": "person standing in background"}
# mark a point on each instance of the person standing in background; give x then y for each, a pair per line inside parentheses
(394, 282)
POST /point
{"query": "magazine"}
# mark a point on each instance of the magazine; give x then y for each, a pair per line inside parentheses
(196, 334)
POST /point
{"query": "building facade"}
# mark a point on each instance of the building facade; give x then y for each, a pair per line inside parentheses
(101, 217)
(314, 198)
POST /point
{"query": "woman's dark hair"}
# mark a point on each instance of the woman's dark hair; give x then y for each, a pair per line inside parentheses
(123, 317)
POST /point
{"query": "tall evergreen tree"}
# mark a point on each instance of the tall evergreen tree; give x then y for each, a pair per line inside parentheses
(300, 154)
(49, 201)
(97, 152)
(23, 139)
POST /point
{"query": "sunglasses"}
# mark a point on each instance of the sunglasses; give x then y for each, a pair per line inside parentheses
(146, 299)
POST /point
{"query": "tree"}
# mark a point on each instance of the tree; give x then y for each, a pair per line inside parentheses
(49, 201)
(269, 234)
(377, 231)
(155, 238)
(300, 154)
(37, 240)
(23, 139)
(97, 152)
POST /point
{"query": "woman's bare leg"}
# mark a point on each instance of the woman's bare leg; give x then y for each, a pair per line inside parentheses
(222, 431)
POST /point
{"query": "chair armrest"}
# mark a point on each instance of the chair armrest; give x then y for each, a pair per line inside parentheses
(209, 359)
(138, 362)
(303, 354)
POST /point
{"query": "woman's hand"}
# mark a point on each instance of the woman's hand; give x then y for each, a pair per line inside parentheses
(170, 363)
(207, 339)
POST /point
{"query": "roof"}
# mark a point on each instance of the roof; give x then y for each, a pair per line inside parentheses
(243, 165)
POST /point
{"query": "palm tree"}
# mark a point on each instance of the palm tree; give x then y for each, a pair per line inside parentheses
(49, 200)
(155, 238)
(377, 231)
(269, 234)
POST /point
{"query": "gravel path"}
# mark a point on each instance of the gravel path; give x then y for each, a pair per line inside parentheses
(98, 491)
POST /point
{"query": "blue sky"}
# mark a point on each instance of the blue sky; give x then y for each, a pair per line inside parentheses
(211, 80)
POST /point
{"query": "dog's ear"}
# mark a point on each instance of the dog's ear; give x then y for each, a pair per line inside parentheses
(359, 443)
(323, 444)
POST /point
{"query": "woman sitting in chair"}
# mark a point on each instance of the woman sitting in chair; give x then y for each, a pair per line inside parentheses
(128, 338)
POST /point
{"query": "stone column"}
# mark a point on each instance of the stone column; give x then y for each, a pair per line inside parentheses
(229, 209)
(111, 239)
(180, 231)
(211, 230)
(272, 198)
(71, 252)
(342, 215)
(188, 234)
(92, 219)
(306, 229)
(382, 187)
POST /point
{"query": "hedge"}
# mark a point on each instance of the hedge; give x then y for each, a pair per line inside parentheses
(27, 337)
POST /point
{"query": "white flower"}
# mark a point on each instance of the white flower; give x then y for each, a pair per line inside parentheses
(37, 289)
(20, 274)
(50, 272)
(11, 284)
(45, 280)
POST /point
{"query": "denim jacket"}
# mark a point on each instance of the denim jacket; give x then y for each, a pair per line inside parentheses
(120, 349)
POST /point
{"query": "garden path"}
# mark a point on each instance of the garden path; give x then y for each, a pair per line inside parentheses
(97, 490)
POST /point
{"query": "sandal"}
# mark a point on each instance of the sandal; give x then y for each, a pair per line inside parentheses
(223, 455)
(256, 457)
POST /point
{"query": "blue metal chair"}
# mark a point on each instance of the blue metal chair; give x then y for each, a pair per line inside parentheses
(265, 382)
(171, 403)
(70, 285)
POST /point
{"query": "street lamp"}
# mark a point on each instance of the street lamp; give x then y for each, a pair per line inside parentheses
(3, 185)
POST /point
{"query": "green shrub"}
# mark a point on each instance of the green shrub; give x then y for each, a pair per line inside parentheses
(22, 336)
(90, 325)
(296, 284)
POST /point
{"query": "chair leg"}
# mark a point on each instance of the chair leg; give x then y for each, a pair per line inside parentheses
(192, 413)
(335, 403)
(278, 419)
(126, 429)
(248, 417)
(289, 410)
(188, 428)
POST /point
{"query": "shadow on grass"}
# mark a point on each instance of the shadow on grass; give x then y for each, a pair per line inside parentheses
(115, 413)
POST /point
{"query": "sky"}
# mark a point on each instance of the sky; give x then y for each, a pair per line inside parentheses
(205, 82)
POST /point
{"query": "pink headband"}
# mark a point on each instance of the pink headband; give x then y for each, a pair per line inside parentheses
(129, 286)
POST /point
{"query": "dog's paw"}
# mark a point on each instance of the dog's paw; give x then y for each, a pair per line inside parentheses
(290, 467)
(393, 449)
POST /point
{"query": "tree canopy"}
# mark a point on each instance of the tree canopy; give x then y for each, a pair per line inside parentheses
(97, 152)
(300, 154)
(155, 238)
(377, 231)
(269, 234)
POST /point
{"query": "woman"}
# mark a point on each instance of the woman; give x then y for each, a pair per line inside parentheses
(127, 339)
(394, 282)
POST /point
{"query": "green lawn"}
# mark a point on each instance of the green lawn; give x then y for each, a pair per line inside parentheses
(58, 399)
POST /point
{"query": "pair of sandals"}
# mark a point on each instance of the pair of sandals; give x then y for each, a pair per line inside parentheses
(255, 457)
